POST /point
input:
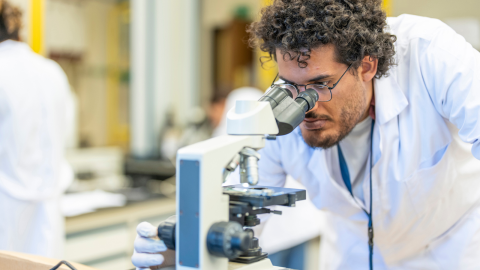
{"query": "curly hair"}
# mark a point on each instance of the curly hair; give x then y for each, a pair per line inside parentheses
(355, 27)
(10, 21)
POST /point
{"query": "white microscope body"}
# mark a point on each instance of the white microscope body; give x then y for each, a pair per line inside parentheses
(200, 198)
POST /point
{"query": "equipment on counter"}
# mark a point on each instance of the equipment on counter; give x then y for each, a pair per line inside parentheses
(149, 168)
(208, 230)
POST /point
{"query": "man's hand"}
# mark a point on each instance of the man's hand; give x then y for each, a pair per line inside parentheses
(148, 248)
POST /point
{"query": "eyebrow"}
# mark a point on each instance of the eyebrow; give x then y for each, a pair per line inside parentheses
(318, 78)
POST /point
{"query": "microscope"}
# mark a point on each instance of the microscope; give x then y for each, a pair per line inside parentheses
(212, 226)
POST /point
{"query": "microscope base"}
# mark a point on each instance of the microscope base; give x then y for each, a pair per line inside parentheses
(250, 260)
(264, 264)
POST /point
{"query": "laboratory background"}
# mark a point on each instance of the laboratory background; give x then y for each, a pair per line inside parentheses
(146, 78)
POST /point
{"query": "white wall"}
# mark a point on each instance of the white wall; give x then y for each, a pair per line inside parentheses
(165, 68)
(65, 26)
(462, 15)
(440, 9)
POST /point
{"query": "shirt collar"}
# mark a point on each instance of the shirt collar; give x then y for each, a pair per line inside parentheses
(390, 100)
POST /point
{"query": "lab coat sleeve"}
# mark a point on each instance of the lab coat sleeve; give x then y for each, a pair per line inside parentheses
(450, 67)
(270, 166)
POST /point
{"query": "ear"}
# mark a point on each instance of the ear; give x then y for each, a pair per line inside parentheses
(368, 68)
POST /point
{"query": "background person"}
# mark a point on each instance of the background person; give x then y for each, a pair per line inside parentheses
(34, 106)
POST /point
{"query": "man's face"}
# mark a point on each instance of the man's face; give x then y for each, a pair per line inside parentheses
(328, 122)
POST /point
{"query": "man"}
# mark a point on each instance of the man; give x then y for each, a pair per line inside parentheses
(387, 147)
(34, 105)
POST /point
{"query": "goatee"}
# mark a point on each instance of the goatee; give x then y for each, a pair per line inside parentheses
(351, 113)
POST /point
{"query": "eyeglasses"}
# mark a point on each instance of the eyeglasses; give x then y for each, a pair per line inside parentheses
(323, 90)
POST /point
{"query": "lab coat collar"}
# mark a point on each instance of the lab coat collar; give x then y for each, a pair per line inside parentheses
(9, 44)
(390, 100)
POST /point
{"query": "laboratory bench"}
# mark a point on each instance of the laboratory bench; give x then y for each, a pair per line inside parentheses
(104, 239)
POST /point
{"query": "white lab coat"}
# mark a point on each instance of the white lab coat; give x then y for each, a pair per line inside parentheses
(426, 182)
(34, 98)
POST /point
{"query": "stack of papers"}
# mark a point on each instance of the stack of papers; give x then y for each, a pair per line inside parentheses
(85, 202)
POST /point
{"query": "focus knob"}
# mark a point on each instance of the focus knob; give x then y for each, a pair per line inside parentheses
(227, 239)
(166, 232)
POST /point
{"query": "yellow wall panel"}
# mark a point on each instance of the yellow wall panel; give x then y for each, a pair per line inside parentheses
(37, 8)
(387, 6)
(117, 131)
(265, 74)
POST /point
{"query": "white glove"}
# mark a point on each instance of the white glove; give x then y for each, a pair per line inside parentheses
(147, 246)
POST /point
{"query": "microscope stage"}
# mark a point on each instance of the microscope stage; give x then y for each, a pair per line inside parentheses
(262, 196)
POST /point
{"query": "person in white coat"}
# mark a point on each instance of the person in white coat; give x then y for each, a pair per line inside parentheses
(392, 148)
(34, 95)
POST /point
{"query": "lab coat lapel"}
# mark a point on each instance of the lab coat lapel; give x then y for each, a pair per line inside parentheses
(390, 101)
(389, 98)
(317, 166)
(332, 197)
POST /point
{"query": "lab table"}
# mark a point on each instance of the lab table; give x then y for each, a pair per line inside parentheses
(104, 239)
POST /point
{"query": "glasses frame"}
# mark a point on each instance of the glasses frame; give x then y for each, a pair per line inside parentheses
(306, 85)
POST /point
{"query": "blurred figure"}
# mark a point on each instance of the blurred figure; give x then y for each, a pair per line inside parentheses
(221, 105)
(173, 137)
(34, 98)
(203, 124)
(216, 109)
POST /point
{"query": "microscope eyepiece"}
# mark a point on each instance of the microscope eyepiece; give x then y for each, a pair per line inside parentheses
(307, 99)
(289, 113)
(275, 96)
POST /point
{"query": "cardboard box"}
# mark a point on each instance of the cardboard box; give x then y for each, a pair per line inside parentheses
(18, 261)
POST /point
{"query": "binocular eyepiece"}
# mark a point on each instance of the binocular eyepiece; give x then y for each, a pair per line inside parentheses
(289, 113)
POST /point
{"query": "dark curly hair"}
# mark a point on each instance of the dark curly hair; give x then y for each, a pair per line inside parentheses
(10, 21)
(355, 27)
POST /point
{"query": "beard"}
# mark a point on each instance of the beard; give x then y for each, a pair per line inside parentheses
(350, 114)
